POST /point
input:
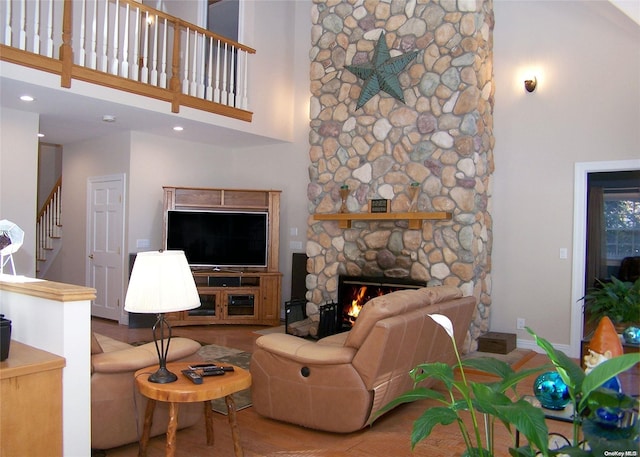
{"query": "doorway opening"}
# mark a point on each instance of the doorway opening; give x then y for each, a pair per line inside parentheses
(613, 230)
(579, 267)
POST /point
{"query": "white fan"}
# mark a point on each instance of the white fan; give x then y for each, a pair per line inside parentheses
(15, 236)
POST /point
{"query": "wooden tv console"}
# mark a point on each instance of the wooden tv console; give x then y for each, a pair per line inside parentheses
(233, 296)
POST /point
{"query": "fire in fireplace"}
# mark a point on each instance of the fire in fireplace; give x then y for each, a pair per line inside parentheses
(355, 291)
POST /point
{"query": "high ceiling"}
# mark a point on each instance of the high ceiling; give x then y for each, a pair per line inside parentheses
(69, 116)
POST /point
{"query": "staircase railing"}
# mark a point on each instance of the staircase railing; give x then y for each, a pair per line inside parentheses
(49, 222)
(128, 46)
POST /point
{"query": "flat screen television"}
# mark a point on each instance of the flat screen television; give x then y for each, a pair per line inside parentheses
(219, 238)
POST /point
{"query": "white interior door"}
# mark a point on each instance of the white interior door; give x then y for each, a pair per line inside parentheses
(105, 244)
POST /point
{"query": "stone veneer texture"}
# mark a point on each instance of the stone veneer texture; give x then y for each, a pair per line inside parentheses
(441, 138)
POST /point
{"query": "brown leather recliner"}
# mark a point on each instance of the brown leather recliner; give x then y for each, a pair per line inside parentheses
(338, 383)
(117, 409)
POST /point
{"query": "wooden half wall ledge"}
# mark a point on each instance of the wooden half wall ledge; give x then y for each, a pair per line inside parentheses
(50, 290)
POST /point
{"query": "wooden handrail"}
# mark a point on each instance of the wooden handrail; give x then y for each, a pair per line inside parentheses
(46, 203)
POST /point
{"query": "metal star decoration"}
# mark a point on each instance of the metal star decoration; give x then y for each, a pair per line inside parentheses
(381, 73)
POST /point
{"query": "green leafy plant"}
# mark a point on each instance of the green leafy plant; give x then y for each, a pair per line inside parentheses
(620, 300)
(588, 396)
(499, 402)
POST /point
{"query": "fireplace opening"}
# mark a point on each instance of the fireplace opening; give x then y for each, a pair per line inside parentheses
(355, 291)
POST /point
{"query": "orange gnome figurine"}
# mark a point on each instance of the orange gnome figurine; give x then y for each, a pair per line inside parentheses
(604, 345)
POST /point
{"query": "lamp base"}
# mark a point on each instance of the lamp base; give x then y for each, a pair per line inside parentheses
(163, 376)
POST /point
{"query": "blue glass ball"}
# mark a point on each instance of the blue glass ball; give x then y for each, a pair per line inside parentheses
(551, 391)
(613, 384)
(631, 335)
(608, 417)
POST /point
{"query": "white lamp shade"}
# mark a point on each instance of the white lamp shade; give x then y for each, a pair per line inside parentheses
(161, 282)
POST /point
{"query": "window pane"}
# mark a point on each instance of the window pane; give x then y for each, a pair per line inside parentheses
(622, 222)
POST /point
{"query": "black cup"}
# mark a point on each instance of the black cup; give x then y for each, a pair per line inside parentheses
(5, 337)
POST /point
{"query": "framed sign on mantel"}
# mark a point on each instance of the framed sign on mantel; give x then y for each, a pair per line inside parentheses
(379, 205)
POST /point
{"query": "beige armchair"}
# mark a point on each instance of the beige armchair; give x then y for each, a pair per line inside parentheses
(117, 409)
(338, 383)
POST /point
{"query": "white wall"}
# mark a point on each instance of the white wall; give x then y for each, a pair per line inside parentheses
(586, 108)
(18, 181)
(99, 157)
(49, 170)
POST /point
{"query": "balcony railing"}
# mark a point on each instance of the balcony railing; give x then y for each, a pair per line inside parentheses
(128, 46)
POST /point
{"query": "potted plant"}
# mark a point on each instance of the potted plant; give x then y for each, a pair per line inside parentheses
(619, 300)
(498, 401)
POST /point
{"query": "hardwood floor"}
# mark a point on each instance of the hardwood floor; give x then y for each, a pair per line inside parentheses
(388, 437)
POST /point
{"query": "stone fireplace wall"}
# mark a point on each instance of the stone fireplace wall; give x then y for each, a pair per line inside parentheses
(441, 138)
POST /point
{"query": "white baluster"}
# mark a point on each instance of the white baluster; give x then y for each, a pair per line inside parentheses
(22, 39)
(125, 45)
(56, 213)
(44, 233)
(81, 54)
(93, 56)
(202, 63)
(57, 209)
(216, 91)
(144, 75)
(193, 88)
(232, 73)
(39, 242)
(116, 37)
(154, 59)
(50, 224)
(36, 28)
(7, 25)
(185, 80)
(209, 90)
(224, 77)
(163, 72)
(135, 66)
(105, 39)
(38, 238)
(245, 101)
(49, 47)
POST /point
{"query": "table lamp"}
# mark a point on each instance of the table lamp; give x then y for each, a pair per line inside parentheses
(161, 282)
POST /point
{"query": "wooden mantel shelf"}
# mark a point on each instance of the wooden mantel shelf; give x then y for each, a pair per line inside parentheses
(415, 219)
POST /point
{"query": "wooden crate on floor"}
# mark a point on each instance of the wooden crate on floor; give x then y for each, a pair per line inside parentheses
(497, 343)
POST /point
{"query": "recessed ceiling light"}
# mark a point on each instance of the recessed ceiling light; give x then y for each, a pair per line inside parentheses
(177, 128)
(40, 135)
(108, 118)
(27, 98)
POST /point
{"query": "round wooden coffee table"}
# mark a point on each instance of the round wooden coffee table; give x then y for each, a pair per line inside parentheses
(185, 391)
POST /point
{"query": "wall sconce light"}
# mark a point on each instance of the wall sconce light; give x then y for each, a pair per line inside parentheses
(530, 84)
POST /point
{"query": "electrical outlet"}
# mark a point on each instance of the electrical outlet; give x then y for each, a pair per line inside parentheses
(520, 325)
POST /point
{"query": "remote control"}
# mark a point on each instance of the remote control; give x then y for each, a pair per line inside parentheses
(209, 366)
(218, 368)
(213, 372)
(202, 366)
(193, 376)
